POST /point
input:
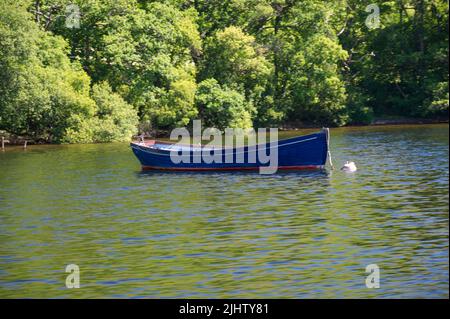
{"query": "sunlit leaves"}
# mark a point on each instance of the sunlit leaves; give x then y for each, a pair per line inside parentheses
(223, 107)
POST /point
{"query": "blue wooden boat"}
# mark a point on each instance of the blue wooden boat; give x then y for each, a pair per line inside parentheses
(302, 152)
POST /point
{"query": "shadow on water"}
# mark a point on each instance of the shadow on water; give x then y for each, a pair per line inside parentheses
(319, 173)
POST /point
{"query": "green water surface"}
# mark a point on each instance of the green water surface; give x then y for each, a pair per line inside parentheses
(229, 234)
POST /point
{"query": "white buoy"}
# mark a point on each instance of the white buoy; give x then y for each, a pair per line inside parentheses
(349, 167)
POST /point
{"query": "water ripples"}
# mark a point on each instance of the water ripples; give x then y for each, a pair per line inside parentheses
(243, 235)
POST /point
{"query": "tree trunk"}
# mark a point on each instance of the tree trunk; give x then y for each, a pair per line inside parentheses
(37, 8)
(276, 60)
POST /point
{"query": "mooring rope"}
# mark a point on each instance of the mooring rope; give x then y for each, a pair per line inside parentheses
(328, 148)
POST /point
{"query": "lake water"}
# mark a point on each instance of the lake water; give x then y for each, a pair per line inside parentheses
(229, 235)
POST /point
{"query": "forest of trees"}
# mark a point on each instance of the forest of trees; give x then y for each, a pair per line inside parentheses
(137, 65)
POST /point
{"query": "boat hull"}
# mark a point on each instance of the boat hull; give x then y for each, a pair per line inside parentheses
(307, 152)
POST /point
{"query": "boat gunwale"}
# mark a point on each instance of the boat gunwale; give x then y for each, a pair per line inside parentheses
(194, 147)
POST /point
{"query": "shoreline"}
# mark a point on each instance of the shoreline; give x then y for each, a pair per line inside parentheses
(376, 122)
(11, 141)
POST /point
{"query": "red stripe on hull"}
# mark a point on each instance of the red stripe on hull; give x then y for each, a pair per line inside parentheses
(302, 167)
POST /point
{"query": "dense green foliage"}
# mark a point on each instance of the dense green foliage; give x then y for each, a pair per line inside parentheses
(114, 119)
(41, 89)
(236, 63)
(222, 107)
(47, 96)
